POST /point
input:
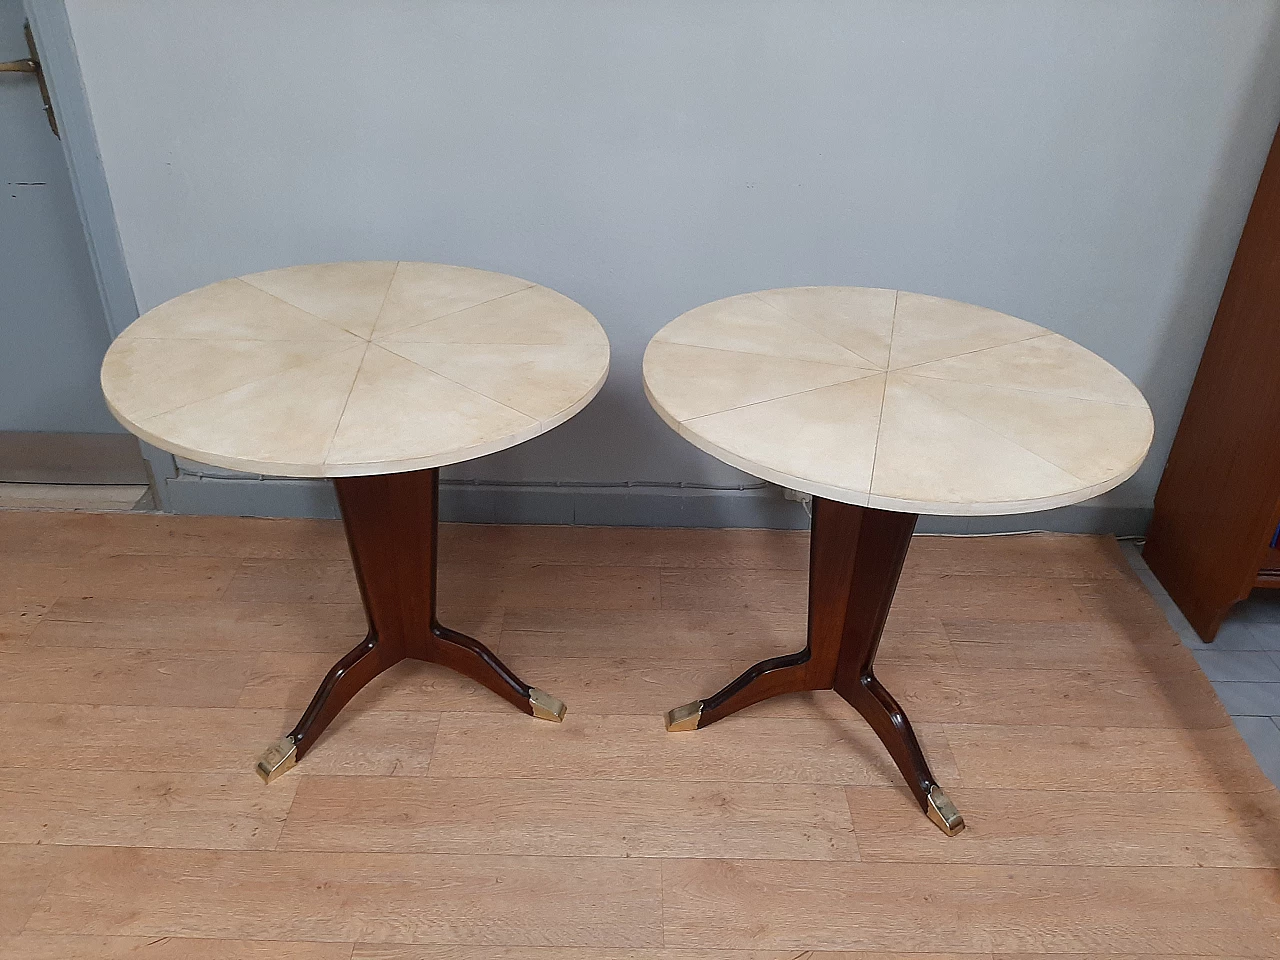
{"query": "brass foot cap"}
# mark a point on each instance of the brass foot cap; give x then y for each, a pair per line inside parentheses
(545, 706)
(944, 813)
(280, 757)
(685, 718)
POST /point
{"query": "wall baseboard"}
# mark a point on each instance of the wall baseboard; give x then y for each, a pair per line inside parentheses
(48, 457)
(639, 506)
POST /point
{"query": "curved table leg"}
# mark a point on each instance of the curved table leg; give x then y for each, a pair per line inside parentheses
(883, 714)
(768, 678)
(343, 681)
(855, 559)
(391, 525)
(473, 659)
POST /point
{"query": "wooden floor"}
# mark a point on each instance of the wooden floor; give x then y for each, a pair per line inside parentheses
(146, 661)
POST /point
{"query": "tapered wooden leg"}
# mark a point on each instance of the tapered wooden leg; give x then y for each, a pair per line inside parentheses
(857, 611)
(768, 678)
(473, 659)
(391, 525)
(855, 559)
(831, 559)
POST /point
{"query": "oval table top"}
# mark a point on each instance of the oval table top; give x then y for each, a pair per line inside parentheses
(897, 401)
(349, 369)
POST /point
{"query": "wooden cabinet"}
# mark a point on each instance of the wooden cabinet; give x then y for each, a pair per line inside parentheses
(1219, 499)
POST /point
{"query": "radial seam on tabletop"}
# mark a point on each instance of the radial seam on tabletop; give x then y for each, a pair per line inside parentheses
(819, 333)
(454, 313)
(478, 393)
(875, 448)
(328, 447)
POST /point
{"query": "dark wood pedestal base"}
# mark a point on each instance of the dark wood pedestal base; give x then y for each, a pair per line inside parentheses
(392, 526)
(855, 559)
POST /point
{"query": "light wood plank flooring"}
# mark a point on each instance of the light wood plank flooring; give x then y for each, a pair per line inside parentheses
(146, 660)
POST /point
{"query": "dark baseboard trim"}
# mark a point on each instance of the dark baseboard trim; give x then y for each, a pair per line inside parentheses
(640, 506)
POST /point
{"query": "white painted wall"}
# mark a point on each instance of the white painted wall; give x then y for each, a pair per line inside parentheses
(1085, 165)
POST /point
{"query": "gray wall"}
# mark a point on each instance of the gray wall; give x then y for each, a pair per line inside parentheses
(1085, 165)
(52, 329)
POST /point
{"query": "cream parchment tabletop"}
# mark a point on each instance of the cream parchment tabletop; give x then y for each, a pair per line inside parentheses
(897, 401)
(350, 369)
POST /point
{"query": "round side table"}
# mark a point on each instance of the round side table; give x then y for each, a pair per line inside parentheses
(372, 374)
(884, 405)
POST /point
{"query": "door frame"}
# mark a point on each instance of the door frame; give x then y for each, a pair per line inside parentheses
(51, 28)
